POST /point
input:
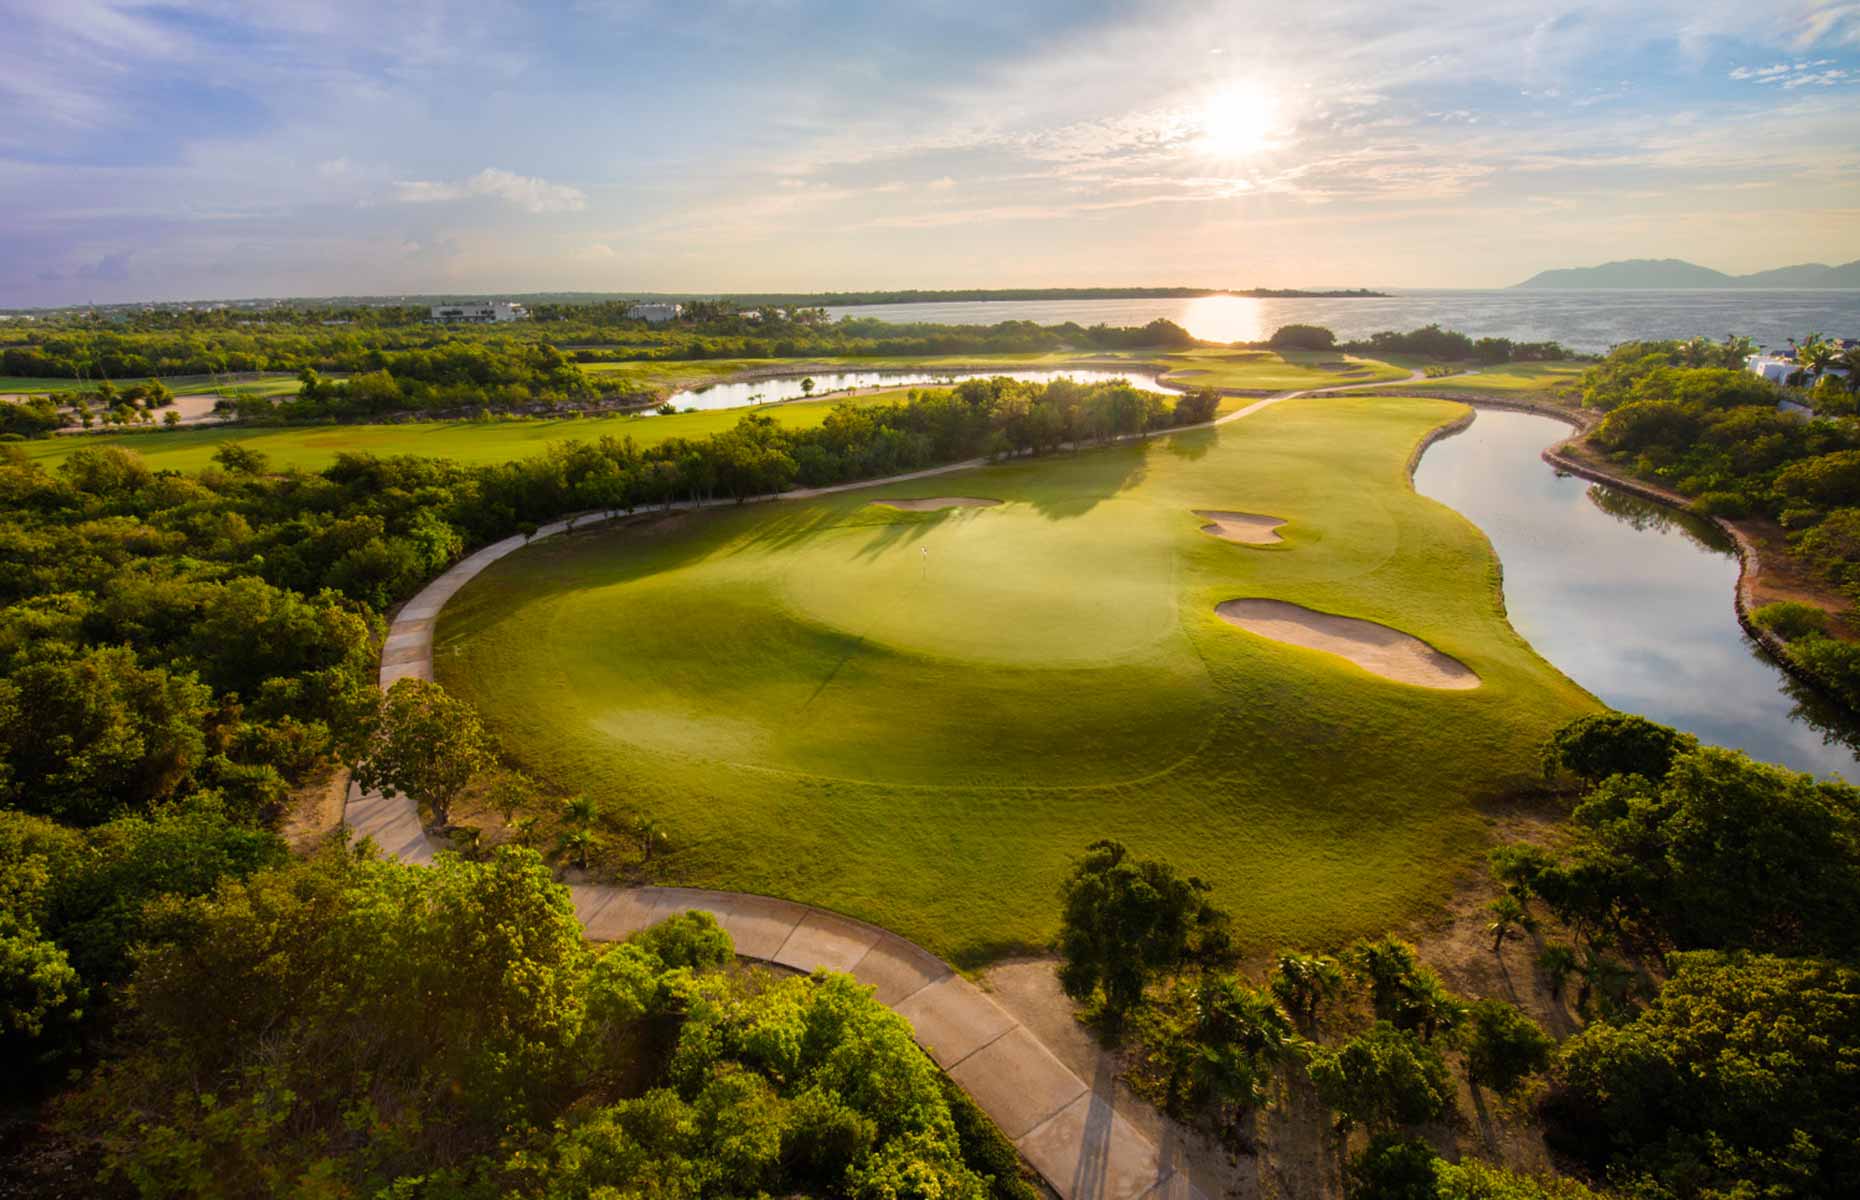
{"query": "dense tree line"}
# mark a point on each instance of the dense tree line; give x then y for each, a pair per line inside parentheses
(345, 1025)
(1739, 1073)
(590, 333)
(1431, 341)
(1688, 416)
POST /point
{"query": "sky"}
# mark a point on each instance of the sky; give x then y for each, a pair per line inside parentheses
(195, 149)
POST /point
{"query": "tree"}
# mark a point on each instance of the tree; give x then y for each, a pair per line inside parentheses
(91, 735)
(1126, 920)
(1381, 1079)
(807, 386)
(1737, 1080)
(241, 459)
(1612, 743)
(1305, 982)
(428, 745)
(1508, 913)
(1402, 991)
(1302, 337)
(1197, 407)
(1219, 1050)
(1503, 1046)
(577, 843)
(1559, 963)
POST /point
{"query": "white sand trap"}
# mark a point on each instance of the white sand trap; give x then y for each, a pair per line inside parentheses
(1378, 649)
(1250, 528)
(938, 503)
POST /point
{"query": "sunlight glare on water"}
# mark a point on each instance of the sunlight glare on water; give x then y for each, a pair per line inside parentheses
(1226, 319)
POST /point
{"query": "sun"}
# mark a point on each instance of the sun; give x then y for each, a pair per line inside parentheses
(1236, 122)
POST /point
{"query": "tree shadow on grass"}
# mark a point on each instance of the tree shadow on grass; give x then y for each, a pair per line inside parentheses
(1082, 480)
(1193, 444)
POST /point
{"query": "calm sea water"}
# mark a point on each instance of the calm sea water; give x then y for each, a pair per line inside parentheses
(1632, 601)
(826, 383)
(1589, 321)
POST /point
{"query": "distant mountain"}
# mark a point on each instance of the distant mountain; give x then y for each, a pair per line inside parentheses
(1673, 273)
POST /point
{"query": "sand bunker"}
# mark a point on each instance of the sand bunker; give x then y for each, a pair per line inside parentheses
(1250, 528)
(938, 503)
(1387, 652)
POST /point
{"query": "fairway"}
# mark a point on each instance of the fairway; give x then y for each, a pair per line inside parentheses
(918, 717)
(474, 443)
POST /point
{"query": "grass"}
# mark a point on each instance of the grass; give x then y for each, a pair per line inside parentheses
(813, 707)
(1270, 370)
(268, 383)
(1511, 378)
(313, 447)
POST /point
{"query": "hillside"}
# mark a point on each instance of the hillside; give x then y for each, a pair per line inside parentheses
(1675, 273)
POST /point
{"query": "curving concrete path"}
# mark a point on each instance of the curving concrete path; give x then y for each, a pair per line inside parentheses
(1072, 1135)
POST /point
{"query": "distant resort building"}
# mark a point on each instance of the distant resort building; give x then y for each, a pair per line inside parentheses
(1782, 366)
(1777, 368)
(654, 314)
(479, 314)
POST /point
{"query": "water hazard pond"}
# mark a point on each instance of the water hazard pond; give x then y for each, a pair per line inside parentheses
(1631, 600)
(771, 391)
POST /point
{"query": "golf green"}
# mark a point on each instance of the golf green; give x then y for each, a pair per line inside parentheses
(919, 717)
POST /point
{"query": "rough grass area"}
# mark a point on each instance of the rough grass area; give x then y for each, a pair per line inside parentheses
(264, 383)
(313, 447)
(918, 718)
(1510, 378)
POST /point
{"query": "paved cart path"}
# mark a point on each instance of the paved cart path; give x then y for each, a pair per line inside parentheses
(1071, 1134)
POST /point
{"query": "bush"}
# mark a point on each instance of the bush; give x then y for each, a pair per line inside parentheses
(1613, 743)
(1722, 504)
(1503, 1046)
(1739, 1080)
(1302, 337)
(1382, 1079)
(1790, 619)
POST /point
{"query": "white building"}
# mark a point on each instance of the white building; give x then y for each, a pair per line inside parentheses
(654, 314)
(479, 314)
(1772, 366)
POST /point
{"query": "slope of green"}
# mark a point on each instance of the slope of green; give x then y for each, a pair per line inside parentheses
(918, 718)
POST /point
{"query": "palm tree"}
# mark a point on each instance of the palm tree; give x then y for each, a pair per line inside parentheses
(1848, 360)
(577, 842)
(1559, 963)
(523, 830)
(583, 810)
(651, 837)
(1508, 913)
(1302, 982)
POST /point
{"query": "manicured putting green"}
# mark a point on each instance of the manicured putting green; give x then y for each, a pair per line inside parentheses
(919, 717)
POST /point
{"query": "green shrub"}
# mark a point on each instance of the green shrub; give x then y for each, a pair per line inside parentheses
(1722, 504)
(1790, 619)
(1503, 1046)
(1302, 337)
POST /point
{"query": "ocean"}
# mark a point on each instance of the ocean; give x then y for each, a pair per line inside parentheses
(1588, 321)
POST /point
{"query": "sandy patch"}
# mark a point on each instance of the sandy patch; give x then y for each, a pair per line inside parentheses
(938, 503)
(1377, 649)
(1248, 528)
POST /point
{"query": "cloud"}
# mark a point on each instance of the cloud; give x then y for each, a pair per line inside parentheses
(524, 191)
(600, 250)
